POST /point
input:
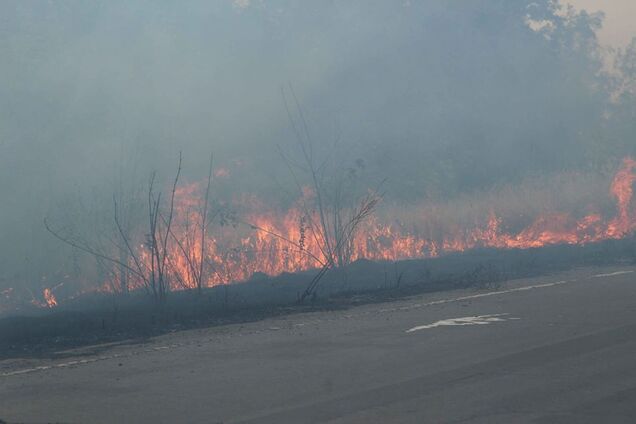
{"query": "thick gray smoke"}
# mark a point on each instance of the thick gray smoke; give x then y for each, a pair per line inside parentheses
(440, 97)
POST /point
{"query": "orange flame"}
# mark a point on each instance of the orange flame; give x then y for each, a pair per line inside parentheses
(281, 241)
(622, 190)
(49, 298)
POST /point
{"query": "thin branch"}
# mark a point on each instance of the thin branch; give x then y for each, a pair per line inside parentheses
(128, 246)
(204, 217)
(88, 249)
(300, 249)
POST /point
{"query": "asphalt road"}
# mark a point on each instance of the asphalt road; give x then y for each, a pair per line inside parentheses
(559, 349)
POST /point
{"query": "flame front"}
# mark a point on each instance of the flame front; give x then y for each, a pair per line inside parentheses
(279, 241)
(274, 241)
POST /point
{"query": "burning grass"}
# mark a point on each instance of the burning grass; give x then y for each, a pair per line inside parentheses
(246, 236)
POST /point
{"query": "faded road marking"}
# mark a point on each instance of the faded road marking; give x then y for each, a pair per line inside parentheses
(474, 320)
(475, 296)
(88, 361)
(80, 362)
(611, 274)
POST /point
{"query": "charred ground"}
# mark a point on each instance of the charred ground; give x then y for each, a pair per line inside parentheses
(101, 318)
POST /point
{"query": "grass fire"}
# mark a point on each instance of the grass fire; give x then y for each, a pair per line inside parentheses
(270, 241)
(201, 199)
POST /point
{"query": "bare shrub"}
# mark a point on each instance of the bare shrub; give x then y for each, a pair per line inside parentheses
(333, 205)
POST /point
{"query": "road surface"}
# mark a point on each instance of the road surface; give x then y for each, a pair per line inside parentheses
(557, 349)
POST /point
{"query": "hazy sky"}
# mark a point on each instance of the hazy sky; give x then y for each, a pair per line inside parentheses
(620, 19)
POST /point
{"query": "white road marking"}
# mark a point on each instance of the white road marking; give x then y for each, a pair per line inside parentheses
(385, 310)
(475, 296)
(160, 348)
(611, 274)
(89, 360)
(474, 320)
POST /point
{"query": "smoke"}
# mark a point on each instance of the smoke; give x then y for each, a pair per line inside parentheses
(441, 98)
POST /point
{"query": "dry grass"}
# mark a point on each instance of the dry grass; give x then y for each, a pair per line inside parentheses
(516, 205)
